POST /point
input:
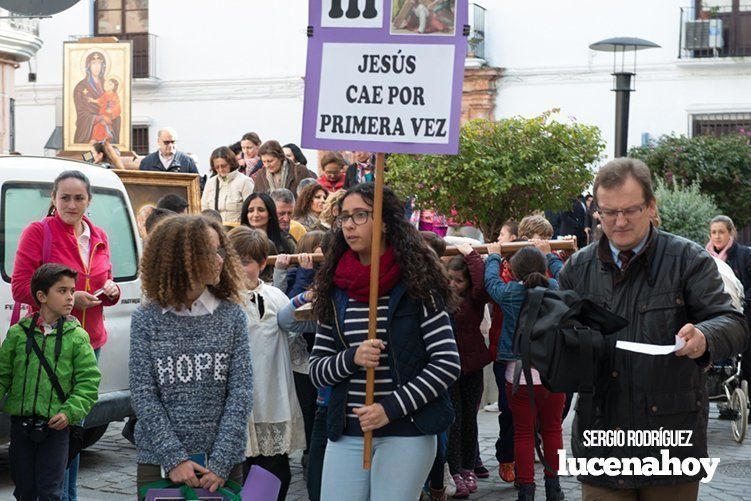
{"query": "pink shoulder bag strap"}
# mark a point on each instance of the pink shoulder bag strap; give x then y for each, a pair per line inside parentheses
(46, 251)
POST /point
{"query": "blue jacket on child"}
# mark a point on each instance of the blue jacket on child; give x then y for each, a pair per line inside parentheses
(510, 297)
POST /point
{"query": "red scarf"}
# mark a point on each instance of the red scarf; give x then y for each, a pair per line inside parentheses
(354, 277)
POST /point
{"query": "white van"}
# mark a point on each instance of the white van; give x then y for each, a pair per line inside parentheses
(25, 187)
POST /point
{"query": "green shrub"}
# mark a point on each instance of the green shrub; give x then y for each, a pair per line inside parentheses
(685, 210)
(721, 165)
(504, 169)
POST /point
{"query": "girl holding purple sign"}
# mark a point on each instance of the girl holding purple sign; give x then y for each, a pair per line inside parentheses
(414, 356)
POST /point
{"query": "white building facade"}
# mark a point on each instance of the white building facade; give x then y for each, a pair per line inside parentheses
(543, 48)
(212, 70)
(215, 70)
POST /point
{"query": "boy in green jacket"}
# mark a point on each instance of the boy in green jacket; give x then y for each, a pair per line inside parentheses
(39, 418)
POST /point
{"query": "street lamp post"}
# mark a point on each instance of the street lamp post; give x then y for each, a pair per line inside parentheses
(623, 82)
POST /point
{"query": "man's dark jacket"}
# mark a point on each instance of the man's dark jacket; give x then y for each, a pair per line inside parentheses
(574, 221)
(644, 392)
(180, 163)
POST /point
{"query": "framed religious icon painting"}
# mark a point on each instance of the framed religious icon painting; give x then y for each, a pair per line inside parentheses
(96, 94)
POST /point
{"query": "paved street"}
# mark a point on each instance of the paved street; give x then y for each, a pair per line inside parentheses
(108, 468)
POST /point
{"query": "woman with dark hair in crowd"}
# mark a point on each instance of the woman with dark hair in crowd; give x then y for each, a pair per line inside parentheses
(723, 246)
(228, 188)
(278, 171)
(105, 155)
(259, 212)
(310, 205)
(294, 154)
(249, 159)
(415, 359)
(67, 236)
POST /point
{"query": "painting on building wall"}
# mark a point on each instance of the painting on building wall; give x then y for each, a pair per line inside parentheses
(96, 94)
(423, 17)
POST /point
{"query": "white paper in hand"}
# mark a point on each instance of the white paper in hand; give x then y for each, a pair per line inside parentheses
(651, 349)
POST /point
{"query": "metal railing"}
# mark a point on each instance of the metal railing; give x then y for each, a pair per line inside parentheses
(714, 32)
(144, 52)
(720, 124)
(476, 39)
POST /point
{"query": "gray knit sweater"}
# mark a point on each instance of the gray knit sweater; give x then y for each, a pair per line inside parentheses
(191, 386)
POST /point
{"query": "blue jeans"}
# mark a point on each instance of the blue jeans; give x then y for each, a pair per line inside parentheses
(398, 468)
(70, 482)
(37, 468)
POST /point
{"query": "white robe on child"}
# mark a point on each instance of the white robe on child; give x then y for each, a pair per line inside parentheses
(276, 422)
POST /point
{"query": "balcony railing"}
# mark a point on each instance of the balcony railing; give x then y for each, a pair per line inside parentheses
(714, 32)
(476, 39)
(23, 24)
(144, 52)
(20, 37)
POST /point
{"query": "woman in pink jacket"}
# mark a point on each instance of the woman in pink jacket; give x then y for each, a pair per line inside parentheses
(66, 236)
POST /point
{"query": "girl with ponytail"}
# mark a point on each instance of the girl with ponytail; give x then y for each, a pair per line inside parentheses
(529, 270)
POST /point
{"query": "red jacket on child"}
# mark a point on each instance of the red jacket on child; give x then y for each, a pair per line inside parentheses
(473, 353)
(331, 187)
(64, 250)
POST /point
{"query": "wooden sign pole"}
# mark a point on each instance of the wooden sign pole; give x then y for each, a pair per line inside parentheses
(375, 265)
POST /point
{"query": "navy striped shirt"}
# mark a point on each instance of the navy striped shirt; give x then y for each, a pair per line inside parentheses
(329, 367)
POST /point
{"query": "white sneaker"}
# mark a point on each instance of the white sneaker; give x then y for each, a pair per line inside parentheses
(448, 481)
(491, 407)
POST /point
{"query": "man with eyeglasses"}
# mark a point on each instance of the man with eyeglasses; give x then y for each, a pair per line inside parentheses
(167, 158)
(664, 286)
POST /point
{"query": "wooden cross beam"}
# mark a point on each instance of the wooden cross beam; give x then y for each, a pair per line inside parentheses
(506, 250)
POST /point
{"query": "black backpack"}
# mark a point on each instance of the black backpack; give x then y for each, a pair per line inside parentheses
(564, 337)
(568, 340)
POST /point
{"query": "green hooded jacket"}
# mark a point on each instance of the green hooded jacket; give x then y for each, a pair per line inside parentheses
(77, 372)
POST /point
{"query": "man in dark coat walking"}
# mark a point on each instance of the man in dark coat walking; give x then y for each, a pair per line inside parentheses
(665, 286)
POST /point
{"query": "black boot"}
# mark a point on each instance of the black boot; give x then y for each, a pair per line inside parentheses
(553, 490)
(526, 492)
(129, 430)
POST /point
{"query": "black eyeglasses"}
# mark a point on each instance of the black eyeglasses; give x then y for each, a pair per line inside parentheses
(170, 142)
(359, 218)
(611, 215)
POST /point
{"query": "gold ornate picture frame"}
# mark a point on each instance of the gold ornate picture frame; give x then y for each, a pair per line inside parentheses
(147, 187)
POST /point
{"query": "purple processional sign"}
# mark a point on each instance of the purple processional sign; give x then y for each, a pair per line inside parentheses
(385, 75)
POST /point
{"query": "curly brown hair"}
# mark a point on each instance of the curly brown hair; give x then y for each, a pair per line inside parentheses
(177, 257)
(331, 208)
(422, 272)
(305, 200)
